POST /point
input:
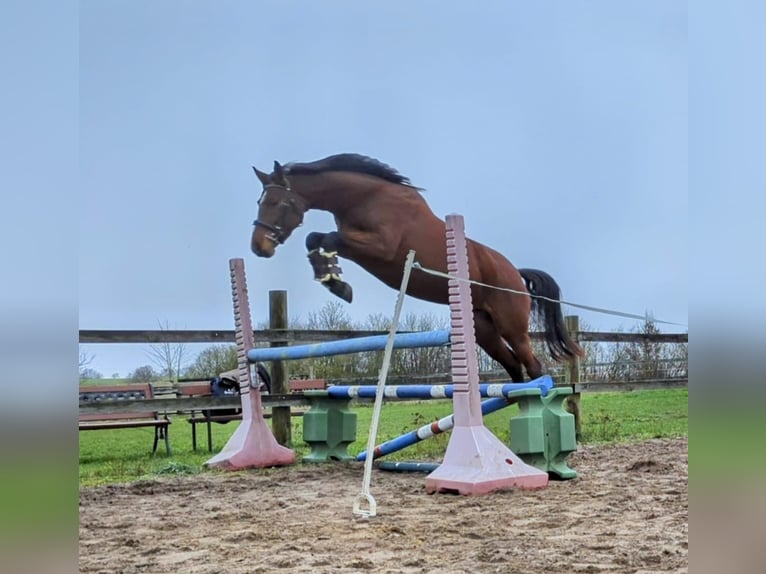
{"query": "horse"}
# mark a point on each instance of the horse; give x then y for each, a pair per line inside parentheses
(380, 216)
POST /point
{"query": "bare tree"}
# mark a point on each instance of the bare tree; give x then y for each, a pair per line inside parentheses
(212, 361)
(332, 316)
(369, 364)
(85, 360)
(168, 357)
(638, 360)
(88, 373)
(423, 360)
(143, 374)
(85, 371)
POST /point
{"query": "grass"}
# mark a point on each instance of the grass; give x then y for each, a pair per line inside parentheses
(123, 455)
(98, 382)
(619, 417)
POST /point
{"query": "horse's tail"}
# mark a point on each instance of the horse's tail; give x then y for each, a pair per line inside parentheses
(548, 312)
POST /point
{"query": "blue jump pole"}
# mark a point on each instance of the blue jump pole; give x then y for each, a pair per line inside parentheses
(348, 346)
(431, 429)
(544, 384)
(503, 395)
(408, 466)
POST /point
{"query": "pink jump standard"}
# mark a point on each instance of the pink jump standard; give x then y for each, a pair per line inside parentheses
(252, 445)
(476, 461)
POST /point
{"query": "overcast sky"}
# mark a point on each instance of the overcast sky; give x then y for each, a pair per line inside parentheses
(558, 130)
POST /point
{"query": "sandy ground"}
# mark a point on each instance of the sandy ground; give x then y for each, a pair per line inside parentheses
(626, 512)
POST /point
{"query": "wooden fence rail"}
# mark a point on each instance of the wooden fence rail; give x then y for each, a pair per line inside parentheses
(301, 336)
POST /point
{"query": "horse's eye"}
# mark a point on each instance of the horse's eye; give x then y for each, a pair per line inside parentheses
(267, 201)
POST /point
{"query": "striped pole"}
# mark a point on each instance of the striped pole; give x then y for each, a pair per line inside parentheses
(544, 384)
(430, 430)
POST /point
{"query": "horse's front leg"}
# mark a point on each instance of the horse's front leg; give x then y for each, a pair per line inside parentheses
(323, 256)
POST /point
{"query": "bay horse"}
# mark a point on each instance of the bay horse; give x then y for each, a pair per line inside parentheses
(380, 216)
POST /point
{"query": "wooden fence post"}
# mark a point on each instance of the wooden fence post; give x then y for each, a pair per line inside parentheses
(573, 375)
(280, 416)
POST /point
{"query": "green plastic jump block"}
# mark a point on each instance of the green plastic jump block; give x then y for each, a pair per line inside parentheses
(329, 427)
(543, 433)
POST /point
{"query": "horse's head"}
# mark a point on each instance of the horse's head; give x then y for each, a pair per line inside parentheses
(280, 211)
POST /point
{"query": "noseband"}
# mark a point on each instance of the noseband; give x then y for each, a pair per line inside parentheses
(277, 233)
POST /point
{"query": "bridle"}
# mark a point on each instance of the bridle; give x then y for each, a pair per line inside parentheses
(277, 233)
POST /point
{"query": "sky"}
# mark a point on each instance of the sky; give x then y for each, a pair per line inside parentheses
(558, 130)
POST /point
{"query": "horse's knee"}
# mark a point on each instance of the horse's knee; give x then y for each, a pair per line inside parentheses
(314, 240)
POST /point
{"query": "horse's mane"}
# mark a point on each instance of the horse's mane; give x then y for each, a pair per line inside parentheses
(350, 162)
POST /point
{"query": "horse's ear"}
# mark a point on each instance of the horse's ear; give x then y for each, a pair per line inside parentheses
(263, 177)
(279, 174)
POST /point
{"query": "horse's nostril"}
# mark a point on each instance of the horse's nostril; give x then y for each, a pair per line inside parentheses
(262, 251)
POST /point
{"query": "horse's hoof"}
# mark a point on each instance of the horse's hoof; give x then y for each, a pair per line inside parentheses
(341, 289)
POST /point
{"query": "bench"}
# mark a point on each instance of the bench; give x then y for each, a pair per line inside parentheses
(103, 421)
(300, 385)
(206, 417)
(202, 389)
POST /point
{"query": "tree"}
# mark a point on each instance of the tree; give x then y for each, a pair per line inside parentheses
(88, 373)
(423, 360)
(655, 360)
(168, 357)
(85, 360)
(640, 360)
(332, 316)
(212, 361)
(145, 374)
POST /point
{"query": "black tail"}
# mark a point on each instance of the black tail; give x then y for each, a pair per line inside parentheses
(548, 313)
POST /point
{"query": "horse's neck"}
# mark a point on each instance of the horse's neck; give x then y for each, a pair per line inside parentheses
(334, 192)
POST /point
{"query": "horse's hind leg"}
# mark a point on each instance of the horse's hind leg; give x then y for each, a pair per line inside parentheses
(510, 316)
(323, 256)
(522, 345)
(490, 340)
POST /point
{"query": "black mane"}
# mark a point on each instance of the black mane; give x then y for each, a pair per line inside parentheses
(350, 162)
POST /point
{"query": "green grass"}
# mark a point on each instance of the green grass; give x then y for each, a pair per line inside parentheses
(727, 444)
(619, 417)
(124, 455)
(98, 382)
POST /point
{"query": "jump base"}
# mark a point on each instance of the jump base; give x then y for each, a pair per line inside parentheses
(477, 462)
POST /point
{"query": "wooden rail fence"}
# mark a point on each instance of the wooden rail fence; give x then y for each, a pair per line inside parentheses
(302, 336)
(279, 335)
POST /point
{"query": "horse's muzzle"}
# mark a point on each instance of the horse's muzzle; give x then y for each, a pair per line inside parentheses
(266, 252)
(263, 245)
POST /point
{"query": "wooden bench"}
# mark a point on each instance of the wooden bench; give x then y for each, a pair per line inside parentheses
(102, 421)
(202, 389)
(206, 417)
(299, 385)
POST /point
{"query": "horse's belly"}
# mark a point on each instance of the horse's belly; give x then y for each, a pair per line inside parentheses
(420, 285)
